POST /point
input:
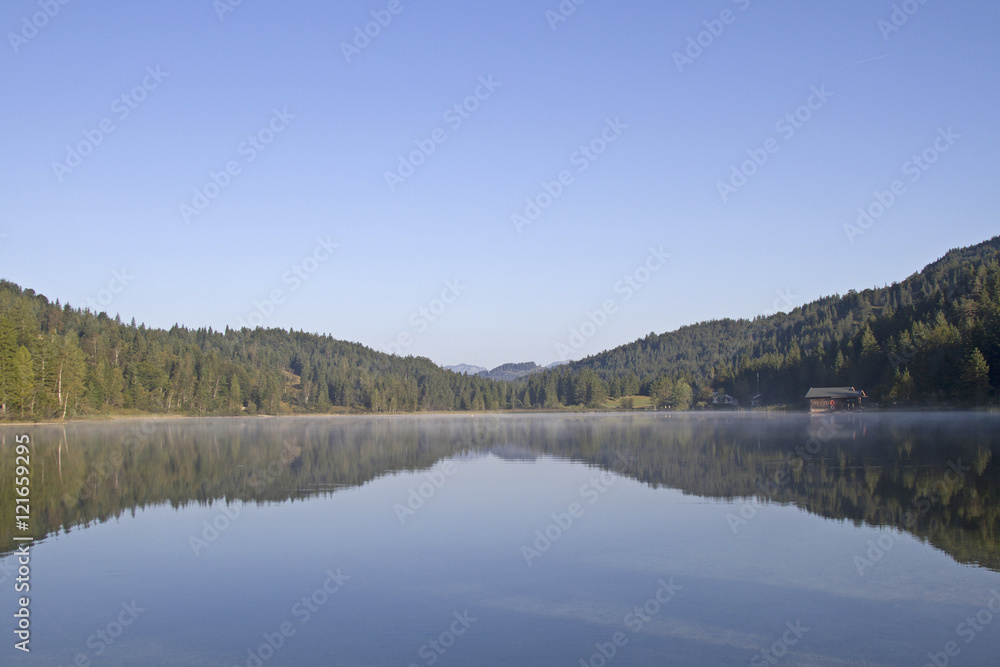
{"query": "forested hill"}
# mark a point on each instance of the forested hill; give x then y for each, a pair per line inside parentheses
(934, 337)
(59, 361)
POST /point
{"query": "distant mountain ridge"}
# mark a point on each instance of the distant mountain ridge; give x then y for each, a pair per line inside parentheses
(466, 369)
(504, 372)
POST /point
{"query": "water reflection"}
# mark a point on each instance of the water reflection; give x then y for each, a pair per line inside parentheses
(932, 476)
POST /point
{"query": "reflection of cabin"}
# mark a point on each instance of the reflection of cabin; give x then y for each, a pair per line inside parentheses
(722, 400)
(832, 399)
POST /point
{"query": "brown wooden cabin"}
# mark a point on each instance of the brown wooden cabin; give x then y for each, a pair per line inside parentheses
(834, 399)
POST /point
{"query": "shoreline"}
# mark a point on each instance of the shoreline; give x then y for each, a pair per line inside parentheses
(443, 413)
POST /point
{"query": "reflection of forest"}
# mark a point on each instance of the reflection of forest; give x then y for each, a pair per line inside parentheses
(897, 471)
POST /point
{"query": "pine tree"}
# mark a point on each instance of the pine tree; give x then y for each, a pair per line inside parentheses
(23, 385)
(8, 348)
(975, 377)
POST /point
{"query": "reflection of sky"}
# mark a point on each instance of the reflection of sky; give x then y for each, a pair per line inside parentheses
(462, 551)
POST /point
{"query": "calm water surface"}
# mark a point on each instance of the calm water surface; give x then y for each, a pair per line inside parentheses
(735, 539)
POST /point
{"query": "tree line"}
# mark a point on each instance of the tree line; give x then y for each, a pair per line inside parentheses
(932, 339)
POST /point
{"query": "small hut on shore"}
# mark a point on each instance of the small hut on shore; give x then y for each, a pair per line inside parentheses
(834, 399)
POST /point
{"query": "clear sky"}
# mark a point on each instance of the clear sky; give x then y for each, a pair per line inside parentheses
(308, 116)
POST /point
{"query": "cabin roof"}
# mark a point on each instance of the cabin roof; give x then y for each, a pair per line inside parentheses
(835, 392)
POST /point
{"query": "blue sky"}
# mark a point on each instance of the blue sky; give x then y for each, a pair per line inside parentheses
(310, 132)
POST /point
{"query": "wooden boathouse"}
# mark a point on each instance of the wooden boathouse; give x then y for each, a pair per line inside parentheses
(834, 399)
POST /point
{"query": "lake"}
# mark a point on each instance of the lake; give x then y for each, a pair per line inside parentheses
(550, 539)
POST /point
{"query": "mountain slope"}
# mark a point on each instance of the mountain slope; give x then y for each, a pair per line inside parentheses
(58, 361)
(930, 324)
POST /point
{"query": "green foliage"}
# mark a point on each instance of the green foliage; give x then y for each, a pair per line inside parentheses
(933, 338)
(61, 362)
(911, 342)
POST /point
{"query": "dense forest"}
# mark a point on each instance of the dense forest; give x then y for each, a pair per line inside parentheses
(932, 339)
(57, 361)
